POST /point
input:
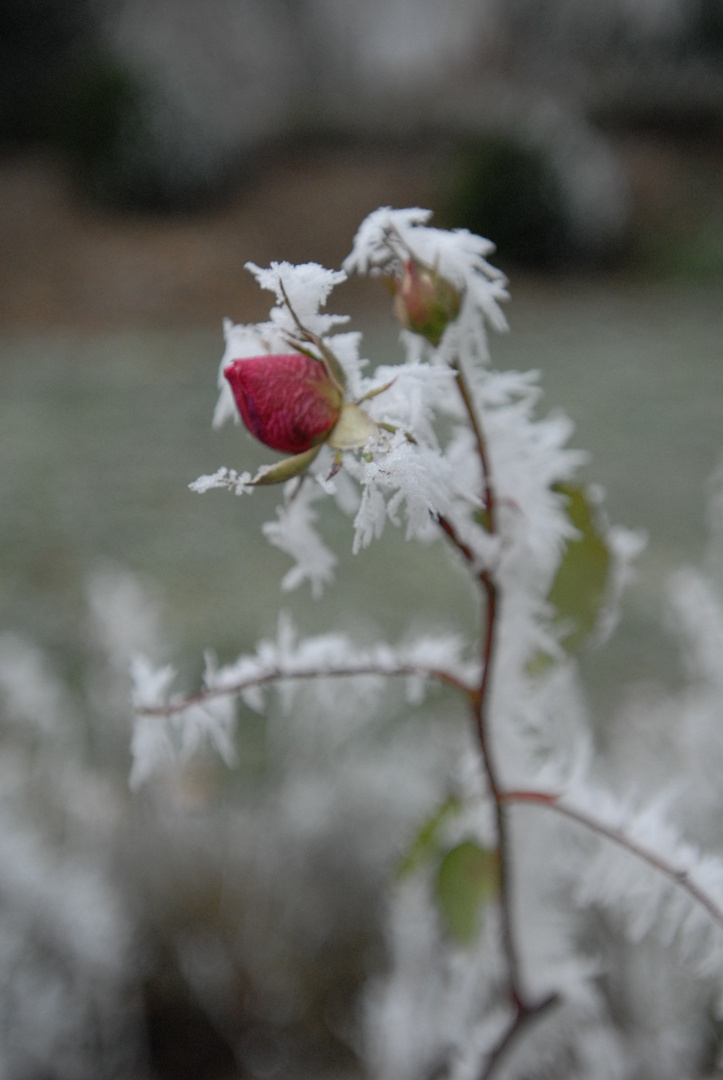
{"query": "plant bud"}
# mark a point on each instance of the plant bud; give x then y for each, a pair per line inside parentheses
(288, 402)
(424, 301)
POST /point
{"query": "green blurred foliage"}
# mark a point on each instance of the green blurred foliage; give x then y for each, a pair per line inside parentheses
(580, 586)
(503, 187)
(426, 841)
(467, 879)
(95, 117)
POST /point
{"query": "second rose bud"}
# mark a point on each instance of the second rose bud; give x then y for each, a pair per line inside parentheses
(424, 301)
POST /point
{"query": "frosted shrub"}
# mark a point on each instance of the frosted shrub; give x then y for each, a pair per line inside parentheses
(70, 1004)
(530, 864)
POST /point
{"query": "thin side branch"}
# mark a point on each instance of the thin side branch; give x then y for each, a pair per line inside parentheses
(617, 836)
(179, 705)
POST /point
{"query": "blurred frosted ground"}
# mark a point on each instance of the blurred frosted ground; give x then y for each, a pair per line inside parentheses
(149, 150)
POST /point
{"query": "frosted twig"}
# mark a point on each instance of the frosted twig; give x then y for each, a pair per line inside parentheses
(674, 873)
(278, 674)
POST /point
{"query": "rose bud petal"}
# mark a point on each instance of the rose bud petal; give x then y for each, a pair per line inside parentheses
(288, 402)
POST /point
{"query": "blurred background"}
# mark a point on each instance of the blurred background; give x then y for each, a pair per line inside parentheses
(148, 149)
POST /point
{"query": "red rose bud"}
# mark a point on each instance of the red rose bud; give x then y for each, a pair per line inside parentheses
(288, 402)
(424, 301)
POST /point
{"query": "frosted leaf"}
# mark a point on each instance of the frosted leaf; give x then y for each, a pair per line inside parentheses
(422, 1014)
(294, 534)
(423, 490)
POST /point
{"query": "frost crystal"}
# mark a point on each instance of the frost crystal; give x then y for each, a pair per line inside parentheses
(224, 478)
(293, 532)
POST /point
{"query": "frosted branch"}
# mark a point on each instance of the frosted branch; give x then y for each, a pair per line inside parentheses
(280, 674)
(682, 873)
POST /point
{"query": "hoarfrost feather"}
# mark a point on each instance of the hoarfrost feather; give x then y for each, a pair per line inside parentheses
(211, 721)
(151, 749)
(150, 683)
(240, 484)
(649, 897)
(293, 533)
(307, 287)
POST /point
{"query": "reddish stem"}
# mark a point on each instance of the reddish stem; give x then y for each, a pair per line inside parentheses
(488, 496)
(523, 1017)
(523, 1011)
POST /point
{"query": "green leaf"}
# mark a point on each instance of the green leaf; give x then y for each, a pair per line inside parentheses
(426, 841)
(578, 591)
(484, 518)
(467, 878)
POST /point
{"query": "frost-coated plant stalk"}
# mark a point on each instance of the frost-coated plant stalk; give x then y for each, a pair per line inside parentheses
(478, 949)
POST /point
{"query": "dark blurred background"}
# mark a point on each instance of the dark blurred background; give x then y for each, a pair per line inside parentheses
(148, 149)
(144, 143)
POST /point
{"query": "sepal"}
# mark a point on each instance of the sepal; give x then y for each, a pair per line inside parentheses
(352, 430)
(285, 470)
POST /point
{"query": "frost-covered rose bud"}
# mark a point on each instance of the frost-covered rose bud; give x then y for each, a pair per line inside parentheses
(424, 301)
(289, 402)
